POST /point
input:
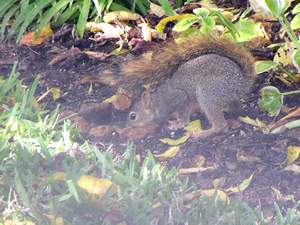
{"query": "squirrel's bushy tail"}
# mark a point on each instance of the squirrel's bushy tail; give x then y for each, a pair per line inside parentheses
(154, 67)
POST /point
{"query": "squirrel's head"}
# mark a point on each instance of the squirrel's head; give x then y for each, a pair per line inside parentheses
(143, 111)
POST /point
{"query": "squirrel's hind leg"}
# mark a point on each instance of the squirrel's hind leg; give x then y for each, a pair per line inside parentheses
(213, 111)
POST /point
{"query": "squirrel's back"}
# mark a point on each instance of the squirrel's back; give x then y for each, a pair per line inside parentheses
(154, 68)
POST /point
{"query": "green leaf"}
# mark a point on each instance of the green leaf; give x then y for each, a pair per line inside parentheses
(28, 15)
(167, 7)
(185, 23)
(296, 9)
(296, 59)
(295, 23)
(276, 6)
(264, 66)
(247, 30)
(7, 17)
(203, 12)
(51, 12)
(226, 22)
(83, 17)
(271, 100)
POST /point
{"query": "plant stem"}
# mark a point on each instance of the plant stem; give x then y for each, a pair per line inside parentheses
(291, 93)
(285, 23)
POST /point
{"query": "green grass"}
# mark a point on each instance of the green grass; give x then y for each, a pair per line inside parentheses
(18, 16)
(34, 146)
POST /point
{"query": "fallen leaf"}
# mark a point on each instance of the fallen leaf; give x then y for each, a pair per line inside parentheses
(69, 53)
(284, 55)
(55, 93)
(146, 31)
(120, 16)
(55, 220)
(292, 168)
(218, 182)
(247, 158)
(184, 171)
(170, 153)
(174, 142)
(194, 127)
(94, 185)
(96, 55)
(220, 194)
(157, 10)
(243, 186)
(162, 23)
(293, 153)
(252, 122)
(113, 30)
(34, 39)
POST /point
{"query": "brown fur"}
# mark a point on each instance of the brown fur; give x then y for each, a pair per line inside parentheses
(165, 60)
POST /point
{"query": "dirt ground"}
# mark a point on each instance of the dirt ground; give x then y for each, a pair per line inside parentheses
(232, 156)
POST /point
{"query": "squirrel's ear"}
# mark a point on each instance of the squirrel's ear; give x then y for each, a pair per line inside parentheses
(146, 100)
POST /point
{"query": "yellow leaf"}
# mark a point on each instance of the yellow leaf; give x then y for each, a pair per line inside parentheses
(170, 153)
(194, 127)
(292, 154)
(58, 176)
(162, 24)
(284, 55)
(220, 194)
(55, 220)
(243, 186)
(94, 185)
(121, 16)
(173, 142)
(111, 99)
(252, 122)
(13, 222)
(55, 93)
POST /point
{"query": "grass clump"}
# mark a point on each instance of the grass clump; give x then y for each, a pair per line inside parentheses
(47, 177)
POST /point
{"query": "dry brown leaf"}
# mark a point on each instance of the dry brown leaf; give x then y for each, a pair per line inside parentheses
(247, 158)
(96, 55)
(69, 53)
(30, 39)
(157, 10)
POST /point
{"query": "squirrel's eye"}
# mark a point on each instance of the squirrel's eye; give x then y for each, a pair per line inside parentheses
(132, 116)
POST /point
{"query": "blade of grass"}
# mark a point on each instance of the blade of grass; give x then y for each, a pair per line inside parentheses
(83, 17)
(50, 13)
(29, 15)
(7, 17)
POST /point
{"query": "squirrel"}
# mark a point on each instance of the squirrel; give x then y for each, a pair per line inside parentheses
(202, 73)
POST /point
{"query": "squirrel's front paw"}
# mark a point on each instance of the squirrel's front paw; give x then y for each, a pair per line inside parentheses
(176, 124)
